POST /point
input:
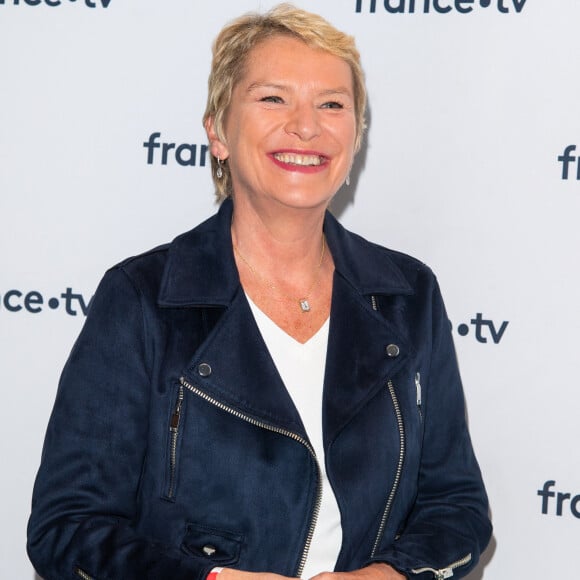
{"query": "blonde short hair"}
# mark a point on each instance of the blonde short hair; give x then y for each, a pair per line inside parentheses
(238, 38)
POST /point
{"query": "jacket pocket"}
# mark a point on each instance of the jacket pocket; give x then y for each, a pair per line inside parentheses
(174, 429)
(219, 547)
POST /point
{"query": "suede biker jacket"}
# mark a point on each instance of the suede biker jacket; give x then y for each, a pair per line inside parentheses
(174, 447)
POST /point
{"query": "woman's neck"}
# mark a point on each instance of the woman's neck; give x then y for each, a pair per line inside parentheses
(279, 242)
(285, 267)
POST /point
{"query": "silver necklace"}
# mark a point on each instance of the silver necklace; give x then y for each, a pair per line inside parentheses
(304, 302)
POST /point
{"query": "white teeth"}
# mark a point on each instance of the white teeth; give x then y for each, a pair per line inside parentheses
(296, 159)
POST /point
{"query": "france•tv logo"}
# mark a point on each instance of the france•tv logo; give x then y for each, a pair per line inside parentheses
(560, 500)
(441, 6)
(184, 154)
(484, 329)
(567, 159)
(34, 302)
(54, 3)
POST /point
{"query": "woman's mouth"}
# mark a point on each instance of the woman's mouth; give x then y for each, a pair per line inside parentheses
(299, 159)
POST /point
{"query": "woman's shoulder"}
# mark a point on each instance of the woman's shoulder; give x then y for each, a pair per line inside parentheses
(417, 273)
(178, 272)
(375, 262)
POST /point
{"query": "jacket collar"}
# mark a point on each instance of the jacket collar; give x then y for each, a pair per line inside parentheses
(201, 269)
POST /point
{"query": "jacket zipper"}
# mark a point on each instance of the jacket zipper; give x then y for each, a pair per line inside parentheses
(174, 434)
(82, 574)
(446, 572)
(286, 433)
(419, 395)
(402, 444)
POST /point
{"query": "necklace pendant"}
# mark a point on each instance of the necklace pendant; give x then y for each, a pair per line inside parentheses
(304, 305)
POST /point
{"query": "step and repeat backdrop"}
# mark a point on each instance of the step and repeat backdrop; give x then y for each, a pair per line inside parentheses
(471, 163)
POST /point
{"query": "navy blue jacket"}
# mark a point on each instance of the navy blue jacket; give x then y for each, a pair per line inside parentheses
(174, 447)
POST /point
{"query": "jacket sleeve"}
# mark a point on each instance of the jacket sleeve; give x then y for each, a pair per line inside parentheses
(448, 527)
(85, 497)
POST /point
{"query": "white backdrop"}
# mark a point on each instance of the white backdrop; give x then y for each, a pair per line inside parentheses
(472, 102)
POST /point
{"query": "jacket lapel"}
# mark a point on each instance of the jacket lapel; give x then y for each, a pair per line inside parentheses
(200, 269)
(358, 363)
(241, 373)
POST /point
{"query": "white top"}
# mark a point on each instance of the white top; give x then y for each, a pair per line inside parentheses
(301, 367)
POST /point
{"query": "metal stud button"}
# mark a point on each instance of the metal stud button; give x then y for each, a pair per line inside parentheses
(204, 370)
(209, 550)
(393, 351)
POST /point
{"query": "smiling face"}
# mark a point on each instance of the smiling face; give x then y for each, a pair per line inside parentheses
(290, 129)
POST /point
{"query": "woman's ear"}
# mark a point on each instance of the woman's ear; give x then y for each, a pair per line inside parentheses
(216, 146)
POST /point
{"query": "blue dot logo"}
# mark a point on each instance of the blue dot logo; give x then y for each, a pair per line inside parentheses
(53, 303)
(484, 3)
(463, 329)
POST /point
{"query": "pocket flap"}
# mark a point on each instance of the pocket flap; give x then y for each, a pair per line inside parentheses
(220, 547)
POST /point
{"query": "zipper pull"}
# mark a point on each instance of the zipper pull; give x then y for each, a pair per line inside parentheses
(444, 573)
(418, 387)
(174, 425)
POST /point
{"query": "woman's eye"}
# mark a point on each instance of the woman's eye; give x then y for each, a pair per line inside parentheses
(271, 99)
(333, 105)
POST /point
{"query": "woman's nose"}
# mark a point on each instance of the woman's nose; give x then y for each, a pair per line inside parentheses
(303, 122)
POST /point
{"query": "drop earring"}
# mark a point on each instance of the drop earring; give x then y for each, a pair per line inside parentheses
(347, 180)
(219, 172)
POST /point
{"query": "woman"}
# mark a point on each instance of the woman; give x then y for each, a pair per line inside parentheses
(269, 394)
